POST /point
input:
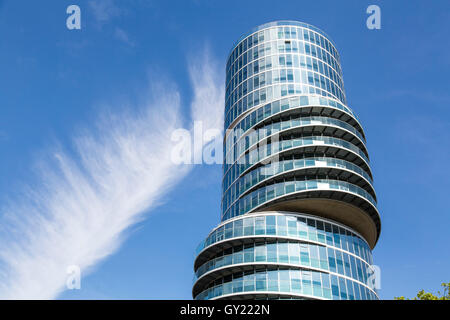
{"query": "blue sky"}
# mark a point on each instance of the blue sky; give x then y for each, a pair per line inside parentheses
(55, 83)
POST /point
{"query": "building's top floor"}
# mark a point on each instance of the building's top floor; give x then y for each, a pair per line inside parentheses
(280, 23)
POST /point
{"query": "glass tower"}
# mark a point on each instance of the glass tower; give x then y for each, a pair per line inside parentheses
(299, 214)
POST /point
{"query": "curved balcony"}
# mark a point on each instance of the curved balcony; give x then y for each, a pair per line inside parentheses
(271, 152)
(273, 192)
(309, 105)
(267, 226)
(337, 200)
(316, 166)
(321, 126)
(269, 93)
(299, 104)
(293, 253)
(288, 282)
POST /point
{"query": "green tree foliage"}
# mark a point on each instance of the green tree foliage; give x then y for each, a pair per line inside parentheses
(422, 295)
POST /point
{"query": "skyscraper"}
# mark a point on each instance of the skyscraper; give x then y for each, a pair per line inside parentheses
(299, 214)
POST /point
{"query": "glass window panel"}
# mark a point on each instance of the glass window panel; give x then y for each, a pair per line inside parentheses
(342, 289)
(260, 225)
(294, 253)
(304, 254)
(261, 282)
(285, 285)
(238, 228)
(249, 226)
(356, 291)
(292, 226)
(350, 290)
(339, 262)
(270, 225)
(272, 252)
(306, 282)
(317, 285)
(272, 279)
(260, 253)
(283, 254)
(331, 260)
(249, 254)
(335, 288)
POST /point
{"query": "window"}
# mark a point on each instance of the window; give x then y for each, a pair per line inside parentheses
(249, 254)
(248, 227)
(270, 225)
(259, 225)
(272, 252)
(260, 253)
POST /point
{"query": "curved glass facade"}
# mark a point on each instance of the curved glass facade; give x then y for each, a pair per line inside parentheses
(300, 227)
(266, 65)
(271, 192)
(251, 138)
(285, 247)
(301, 283)
(296, 176)
(263, 173)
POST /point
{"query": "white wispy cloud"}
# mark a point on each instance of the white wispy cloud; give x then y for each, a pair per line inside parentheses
(123, 36)
(87, 197)
(104, 10)
(208, 84)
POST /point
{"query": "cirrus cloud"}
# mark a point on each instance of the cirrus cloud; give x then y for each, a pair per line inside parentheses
(85, 198)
